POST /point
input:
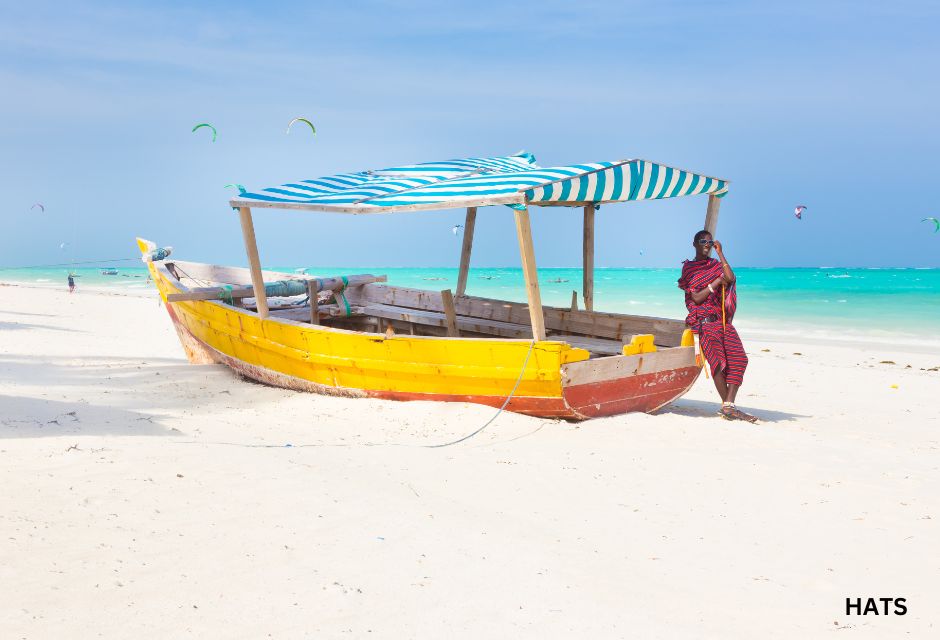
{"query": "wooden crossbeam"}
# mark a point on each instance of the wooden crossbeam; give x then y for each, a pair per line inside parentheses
(322, 284)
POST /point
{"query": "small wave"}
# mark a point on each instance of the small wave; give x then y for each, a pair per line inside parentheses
(844, 275)
(43, 280)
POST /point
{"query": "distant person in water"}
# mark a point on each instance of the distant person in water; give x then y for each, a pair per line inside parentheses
(711, 299)
(71, 283)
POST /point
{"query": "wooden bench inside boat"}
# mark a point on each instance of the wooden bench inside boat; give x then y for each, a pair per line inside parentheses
(597, 346)
(376, 307)
(467, 325)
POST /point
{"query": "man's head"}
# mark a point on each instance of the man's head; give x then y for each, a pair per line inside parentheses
(703, 244)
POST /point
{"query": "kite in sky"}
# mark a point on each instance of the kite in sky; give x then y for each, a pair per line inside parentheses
(304, 120)
(456, 227)
(40, 205)
(241, 190)
(206, 124)
(798, 212)
(935, 221)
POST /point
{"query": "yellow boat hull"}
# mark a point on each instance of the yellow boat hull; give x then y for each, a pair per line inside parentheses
(557, 379)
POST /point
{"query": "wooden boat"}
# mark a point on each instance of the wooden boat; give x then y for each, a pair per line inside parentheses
(355, 335)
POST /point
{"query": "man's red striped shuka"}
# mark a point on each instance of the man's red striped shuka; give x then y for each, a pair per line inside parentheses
(721, 345)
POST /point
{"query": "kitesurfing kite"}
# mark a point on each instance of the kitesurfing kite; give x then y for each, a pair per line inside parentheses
(456, 227)
(241, 190)
(63, 245)
(206, 124)
(38, 204)
(935, 221)
(305, 121)
(798, 212)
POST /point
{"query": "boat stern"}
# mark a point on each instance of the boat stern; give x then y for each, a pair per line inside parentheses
(622, 384)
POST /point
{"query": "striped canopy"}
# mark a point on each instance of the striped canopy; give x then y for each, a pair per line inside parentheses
(514, 180)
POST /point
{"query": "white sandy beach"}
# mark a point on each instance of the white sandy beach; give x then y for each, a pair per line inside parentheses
(144, 497)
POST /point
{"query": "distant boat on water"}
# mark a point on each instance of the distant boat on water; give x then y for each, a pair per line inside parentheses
(109, 271)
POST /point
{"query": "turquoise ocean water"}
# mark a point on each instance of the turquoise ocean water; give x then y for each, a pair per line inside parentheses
(825, 302)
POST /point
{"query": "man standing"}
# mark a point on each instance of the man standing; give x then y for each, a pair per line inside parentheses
(711, 299)
(71, 283)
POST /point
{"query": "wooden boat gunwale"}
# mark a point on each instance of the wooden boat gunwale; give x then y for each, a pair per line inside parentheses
(552, 405)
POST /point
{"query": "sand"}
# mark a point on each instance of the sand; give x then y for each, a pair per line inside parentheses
(144, 497)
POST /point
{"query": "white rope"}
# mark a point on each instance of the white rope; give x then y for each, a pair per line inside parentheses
(490, 421)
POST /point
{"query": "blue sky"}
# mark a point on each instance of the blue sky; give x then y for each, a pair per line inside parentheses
(828, 104)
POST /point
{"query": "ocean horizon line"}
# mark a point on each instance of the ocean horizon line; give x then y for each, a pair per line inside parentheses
(91, 264)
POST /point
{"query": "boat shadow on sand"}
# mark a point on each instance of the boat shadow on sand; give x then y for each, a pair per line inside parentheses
(702, 409)
(25, 417)
(14, 326)
(110, 396)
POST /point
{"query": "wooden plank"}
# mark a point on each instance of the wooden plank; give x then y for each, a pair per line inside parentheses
(574, 300)
(211, 293)
(312, 295)
(711, 214)
(450, 314)
(439, 319)
(254, 262)
(302, 314)
(457, 203)
(468, 226)
(230, 275)
(588, 255)
(614, 367)
(616, 326)
(594, 345)
(320, 284)
(529, 270)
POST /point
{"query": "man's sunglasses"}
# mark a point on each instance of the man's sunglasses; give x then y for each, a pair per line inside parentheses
(703, 242)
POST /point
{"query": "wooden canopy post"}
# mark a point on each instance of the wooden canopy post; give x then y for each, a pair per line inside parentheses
(468, 225)
(588, 262)
(711, 215)
(526, 251)
(254, 262)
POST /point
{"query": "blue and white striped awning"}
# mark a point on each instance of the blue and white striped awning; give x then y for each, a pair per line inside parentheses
(475, 182)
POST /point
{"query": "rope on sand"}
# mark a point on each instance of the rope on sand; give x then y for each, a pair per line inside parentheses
(490, 421)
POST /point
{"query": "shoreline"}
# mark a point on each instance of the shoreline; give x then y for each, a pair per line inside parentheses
(819, 335)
